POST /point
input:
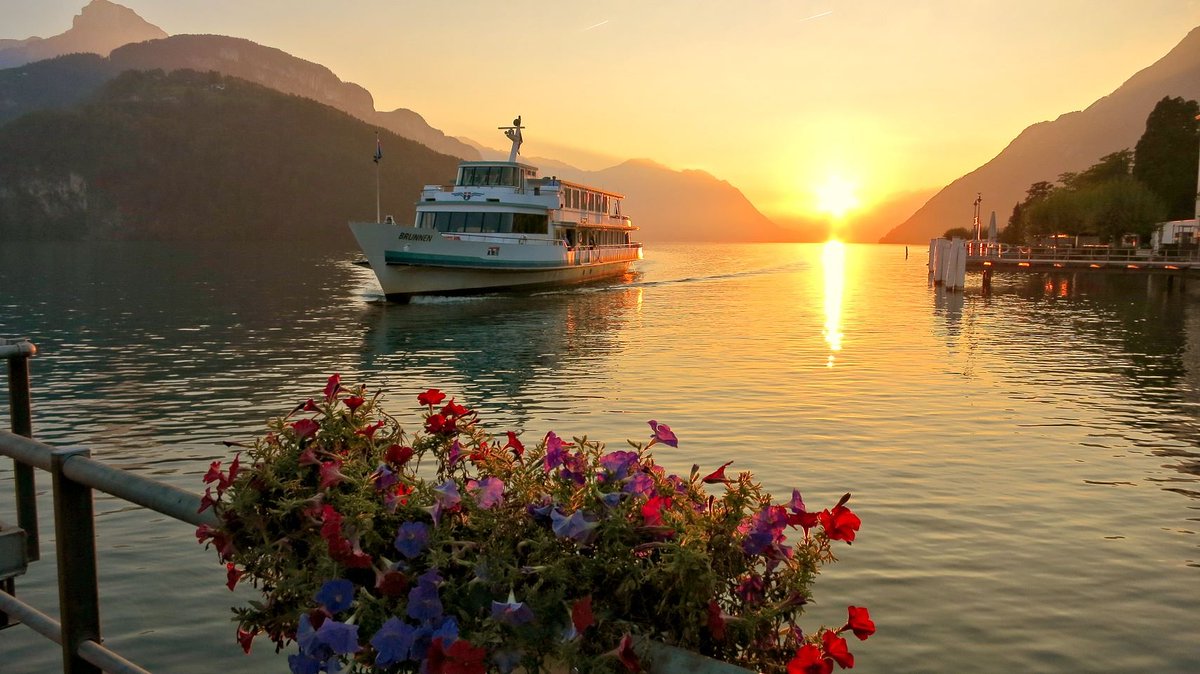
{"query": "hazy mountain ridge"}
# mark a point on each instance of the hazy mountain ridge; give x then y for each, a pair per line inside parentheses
(200, 156)
(100, 27)
(284, 72)
(686, 205)
(1072, 142)
(668, 204)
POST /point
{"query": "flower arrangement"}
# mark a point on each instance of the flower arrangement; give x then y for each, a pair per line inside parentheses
(451, 552)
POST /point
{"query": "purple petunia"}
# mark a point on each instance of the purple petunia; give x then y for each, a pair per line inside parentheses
(554, 452)
(447, 631)
(641, 484)
(574, 468)
(512, 613)
(663, 434)
(423, 601)
(576, 526)
(489, 491)
(336, 595)
(446, 497)
(340, 637)
(618, 465)
(412, 538)
(393, 642)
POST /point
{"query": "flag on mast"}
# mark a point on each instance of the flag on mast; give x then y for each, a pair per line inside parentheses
(378, 149)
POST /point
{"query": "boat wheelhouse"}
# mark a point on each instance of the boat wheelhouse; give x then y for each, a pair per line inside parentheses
(500, 226)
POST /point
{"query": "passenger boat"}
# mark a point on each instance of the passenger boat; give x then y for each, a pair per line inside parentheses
(499, 227)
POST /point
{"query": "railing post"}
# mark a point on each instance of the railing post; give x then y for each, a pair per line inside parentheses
(75, 539)
(22, 424)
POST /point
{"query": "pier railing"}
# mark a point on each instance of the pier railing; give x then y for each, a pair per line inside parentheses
(1004, 251)
(74, 475)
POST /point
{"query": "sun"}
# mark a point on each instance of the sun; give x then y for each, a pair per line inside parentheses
(837, 197)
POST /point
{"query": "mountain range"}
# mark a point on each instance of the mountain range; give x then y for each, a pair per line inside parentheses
(669, 205)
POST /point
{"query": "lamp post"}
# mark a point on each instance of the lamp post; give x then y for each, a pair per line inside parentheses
(978, 200)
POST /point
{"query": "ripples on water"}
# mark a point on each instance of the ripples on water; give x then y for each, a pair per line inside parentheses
(1025, 463)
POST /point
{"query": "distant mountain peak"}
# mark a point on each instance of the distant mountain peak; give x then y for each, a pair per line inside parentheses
(100, 27)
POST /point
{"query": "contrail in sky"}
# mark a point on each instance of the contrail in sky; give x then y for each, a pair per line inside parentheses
(817, 16)
(595, 26)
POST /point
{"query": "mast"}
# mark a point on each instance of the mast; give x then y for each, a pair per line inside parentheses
(513, 133)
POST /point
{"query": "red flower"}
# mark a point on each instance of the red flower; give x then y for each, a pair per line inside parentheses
(332, 386)
(717, 475)
(354, 402)
(463, 658)
(235, 467)
(581, 614)
(244, 638)
(840, 523)
(206, 501)
(308, 457)
(652, 510)
(626, 654)
(808, 660)
(515, 444)
(331, 474)
(369, 431)
(460, 658)
(232, 576)
(835, 647)
(204, 533)
(398, 455)
(392, 584)
(215, 474)
(716, 621)
(305, 428)
(859, 622)
(440, 425)
(453, 409)
(803, 519)
(431, 397)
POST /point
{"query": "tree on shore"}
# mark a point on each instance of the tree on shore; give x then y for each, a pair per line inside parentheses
(1166, 155)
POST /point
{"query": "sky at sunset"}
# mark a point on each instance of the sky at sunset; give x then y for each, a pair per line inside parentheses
(803, 105)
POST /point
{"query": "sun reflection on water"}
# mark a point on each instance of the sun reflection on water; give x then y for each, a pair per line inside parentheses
(833, 259)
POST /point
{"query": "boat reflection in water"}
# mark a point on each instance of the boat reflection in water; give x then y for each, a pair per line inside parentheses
(509, 353)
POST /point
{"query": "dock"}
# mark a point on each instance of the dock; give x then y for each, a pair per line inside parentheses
(950, 260)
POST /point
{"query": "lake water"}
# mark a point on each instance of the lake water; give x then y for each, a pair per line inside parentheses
(1026, 463)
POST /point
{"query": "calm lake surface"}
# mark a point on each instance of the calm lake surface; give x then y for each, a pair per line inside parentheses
(1026, 464)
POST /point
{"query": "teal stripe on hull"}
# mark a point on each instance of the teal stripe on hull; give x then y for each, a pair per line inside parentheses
(467, 262)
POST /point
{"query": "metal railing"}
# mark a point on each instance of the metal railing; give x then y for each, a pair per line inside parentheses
(1004, 251)
(74, 475)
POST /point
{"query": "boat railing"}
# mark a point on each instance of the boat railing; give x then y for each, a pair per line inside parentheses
(492, 238)
(74, 475)
(600, 254)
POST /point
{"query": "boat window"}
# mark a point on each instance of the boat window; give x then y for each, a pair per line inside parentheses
(526, 223)
(457, 220)
(491, 222)
(474, 222)
(427, 220)
(506, 222)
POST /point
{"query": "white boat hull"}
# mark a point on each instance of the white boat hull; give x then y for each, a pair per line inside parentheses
(410, 261)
